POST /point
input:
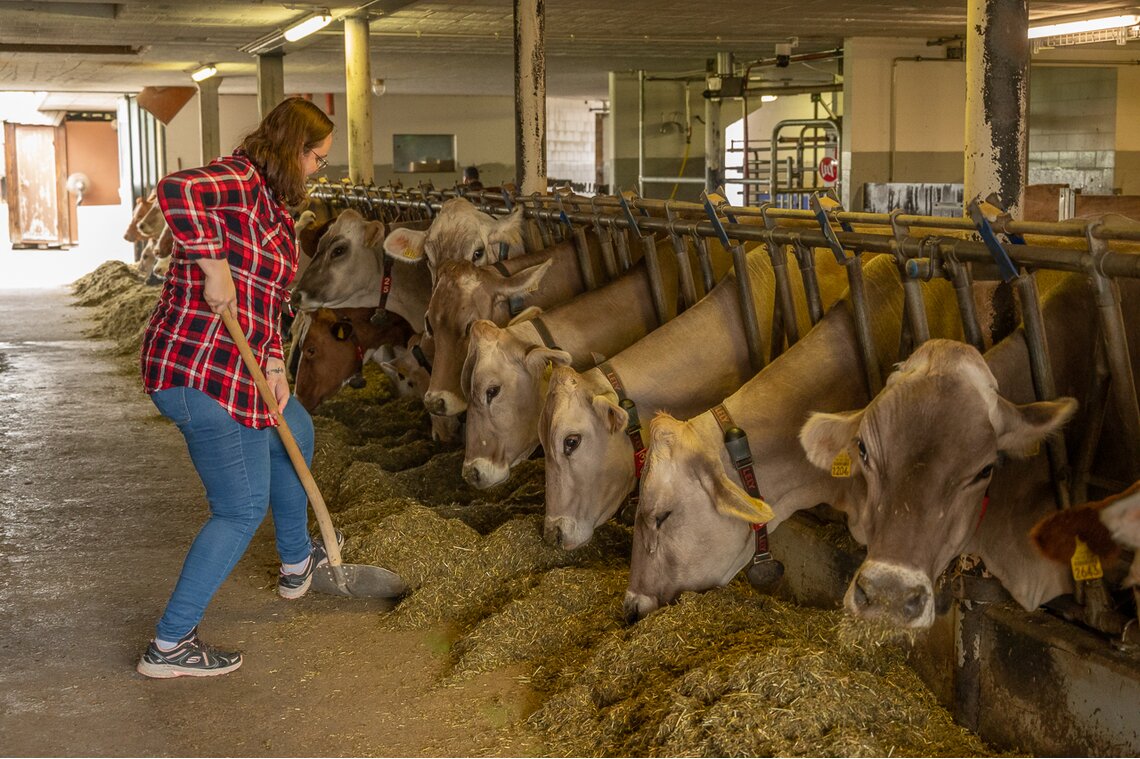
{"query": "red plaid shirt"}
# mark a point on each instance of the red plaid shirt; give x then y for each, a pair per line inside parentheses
(222, 210)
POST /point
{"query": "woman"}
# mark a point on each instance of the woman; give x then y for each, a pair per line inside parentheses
(234, 250)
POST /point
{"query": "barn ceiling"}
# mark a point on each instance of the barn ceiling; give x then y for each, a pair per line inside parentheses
(435, 47)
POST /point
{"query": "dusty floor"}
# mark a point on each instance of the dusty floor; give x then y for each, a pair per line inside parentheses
(98, 503)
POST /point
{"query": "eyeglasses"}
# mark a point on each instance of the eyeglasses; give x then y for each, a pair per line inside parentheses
(322, 161)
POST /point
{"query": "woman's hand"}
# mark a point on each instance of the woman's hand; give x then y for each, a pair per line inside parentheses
(219, 290)
(278, 381)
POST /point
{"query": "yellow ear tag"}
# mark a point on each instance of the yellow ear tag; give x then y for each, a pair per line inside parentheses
(841, 467)
(409, 253)
(1085, 563)
(1036, 449)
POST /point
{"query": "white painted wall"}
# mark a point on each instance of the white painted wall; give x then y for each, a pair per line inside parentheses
(929, 106)
(570, 140)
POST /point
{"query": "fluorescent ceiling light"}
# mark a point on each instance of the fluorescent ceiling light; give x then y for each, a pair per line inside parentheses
(1088, 25)
(308, 26)
(204, 73)
(768, 98)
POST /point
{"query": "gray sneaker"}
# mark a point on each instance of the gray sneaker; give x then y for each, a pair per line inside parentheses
(293, 586)
(191, 657)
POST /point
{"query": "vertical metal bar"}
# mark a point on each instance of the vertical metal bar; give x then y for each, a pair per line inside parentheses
(1095, 405)
(748, 308)
(541, 222)
(641, 132)
(702, 248)
(971, 330)
(622, 239)
(656, 286)
(858, 292)
(582, 249)
(684, 270)
(1044, 386)
(1123, 384)
(605, 244)
(806, 258)
(787, 304)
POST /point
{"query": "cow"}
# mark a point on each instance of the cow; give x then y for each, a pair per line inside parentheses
(692, 530)
(408, 373)
(336, 345)
(465, 293)
(506, 370)
(682, 367)
(949, 459)
(1104, 526)
(348, 272)
(143, 206)
(459, 232)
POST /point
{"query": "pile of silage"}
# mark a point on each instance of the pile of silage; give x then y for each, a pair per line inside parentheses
(730, 673)
(122, 304)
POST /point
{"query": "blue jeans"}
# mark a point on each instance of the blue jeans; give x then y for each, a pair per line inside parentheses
(244, 471)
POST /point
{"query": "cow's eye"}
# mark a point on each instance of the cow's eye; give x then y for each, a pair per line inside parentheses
(862, 449)
(662, 517)
(987, 470)
(338, 251)
(401, 376)
(477, 255)
(570, 443)
(492, 391)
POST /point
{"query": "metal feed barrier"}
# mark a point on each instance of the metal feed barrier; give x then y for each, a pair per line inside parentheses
(617, 222)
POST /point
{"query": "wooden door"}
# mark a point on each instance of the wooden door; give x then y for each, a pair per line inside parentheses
(39, 208)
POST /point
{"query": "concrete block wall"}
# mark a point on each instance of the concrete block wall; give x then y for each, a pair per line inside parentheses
(1072, 127)
(570, 140)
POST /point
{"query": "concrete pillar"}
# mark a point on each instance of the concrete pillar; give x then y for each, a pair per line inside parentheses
(714, 132)
(358, 94)
(530, 96)
(270, 81)
(208, 121)
(997, 100)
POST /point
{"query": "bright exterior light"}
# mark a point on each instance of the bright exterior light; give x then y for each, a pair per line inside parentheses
(1089, 25)
(204, 73)
(768, 98)
(307, 27)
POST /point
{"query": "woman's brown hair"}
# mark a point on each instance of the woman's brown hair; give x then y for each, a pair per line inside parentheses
(275, 147)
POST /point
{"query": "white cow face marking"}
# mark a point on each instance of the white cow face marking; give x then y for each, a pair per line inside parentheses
(346, 255)
(923, 454)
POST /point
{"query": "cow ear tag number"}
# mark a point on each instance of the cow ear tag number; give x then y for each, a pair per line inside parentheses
(1085, 564)
(841, 466)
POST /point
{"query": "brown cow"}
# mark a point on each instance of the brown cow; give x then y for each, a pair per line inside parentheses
(337, 342)
(1104, 526)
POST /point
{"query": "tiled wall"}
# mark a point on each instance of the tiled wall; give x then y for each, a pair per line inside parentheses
(1072, 127)
(570, 140)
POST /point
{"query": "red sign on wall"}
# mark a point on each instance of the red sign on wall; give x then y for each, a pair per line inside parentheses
(828, 170)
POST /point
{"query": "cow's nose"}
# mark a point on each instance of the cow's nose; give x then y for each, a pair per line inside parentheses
(636, 606)
(434, 403)
(914, 605)
(471, 474)
(860, 594)
(552, 534)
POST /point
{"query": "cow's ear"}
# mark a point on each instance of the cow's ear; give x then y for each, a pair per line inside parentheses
(373, 234)
(522, 282)
(510, 231)
(613, 416)
(1020, 429)
(538, 358)
(528, 313)
(1123, 517)
(405, 244)
(732, 501)
(825, 435)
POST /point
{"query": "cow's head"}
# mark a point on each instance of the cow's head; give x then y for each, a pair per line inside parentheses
(690, 531)
(1122, 518)
(503, 379)
(347, 254)
(141, 209)
(589, 459)
(152, 222)
(460, 232)
(921, 458)
(463, 294)
(408, 376)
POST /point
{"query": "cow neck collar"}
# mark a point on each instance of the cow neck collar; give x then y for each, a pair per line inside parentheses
(633, 429)
(544, 334)
(515, 303)
(380, 313)
(357, 379)
(736, 443)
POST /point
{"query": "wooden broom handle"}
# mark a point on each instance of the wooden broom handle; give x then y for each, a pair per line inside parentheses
(328, 533)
